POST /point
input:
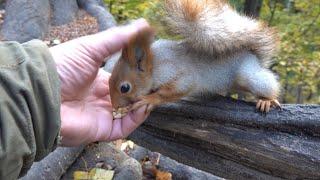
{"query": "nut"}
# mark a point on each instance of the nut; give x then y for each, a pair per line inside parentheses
(120, 112)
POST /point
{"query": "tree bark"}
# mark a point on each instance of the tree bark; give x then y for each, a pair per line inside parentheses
(227, 138)
(252, 8)
(30, 19)
(63, 11)
(54, 165)
(178, 170)
(26, 20)
(290, 5)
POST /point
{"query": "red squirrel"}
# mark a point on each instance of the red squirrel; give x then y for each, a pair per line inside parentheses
(221, 51)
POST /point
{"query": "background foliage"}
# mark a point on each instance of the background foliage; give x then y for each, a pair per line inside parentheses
(298, 24)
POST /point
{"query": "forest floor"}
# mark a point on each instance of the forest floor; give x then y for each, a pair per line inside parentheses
(83, 25)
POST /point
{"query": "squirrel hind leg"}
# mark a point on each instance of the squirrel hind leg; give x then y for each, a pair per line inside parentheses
(259, 81)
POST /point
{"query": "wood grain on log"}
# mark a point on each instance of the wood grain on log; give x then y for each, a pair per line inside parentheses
(229, 139)
(54, 165)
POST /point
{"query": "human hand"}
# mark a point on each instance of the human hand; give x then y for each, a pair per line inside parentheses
(86, 110)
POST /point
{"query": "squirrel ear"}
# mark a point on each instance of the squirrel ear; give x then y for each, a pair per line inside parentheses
(139, 55)
(138, 51)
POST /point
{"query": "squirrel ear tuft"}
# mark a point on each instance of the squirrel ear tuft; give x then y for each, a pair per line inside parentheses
(138, 51)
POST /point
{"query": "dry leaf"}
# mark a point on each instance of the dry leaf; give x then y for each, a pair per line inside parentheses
(100, 174)
(127, 144)
(123, 146)
(150, 170)
(94, 174)
(118, 143)
(162, 175)
(130, 144)
(81, 175)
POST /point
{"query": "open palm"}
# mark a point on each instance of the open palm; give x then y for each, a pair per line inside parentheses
(86, 110)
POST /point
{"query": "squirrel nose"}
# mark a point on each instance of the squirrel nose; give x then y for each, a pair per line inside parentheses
(119, 103)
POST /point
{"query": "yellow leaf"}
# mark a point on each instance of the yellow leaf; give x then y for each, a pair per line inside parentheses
(282, 63)
(80, 175)
(94, 174)
(101, 174)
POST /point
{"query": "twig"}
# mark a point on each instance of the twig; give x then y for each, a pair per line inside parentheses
(85, 163)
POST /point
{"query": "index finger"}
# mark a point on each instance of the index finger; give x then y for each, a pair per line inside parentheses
(105, 43)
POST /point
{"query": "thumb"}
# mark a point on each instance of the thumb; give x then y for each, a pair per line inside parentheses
(121, 128)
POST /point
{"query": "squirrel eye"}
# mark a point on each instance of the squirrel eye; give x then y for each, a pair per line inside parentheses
(125, 87)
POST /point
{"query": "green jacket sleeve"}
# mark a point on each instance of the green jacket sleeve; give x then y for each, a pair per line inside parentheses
(29, 106)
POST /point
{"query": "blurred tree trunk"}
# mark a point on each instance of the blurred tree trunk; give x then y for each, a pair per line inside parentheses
(30, 19)
(285, 89)
(299, 94)
(252, 8)
(97, 9)
(290, 5)
(63, 11)
(26, 20)
(273, 6)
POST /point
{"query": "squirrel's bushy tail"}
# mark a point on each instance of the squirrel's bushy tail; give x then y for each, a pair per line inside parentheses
(214, 27)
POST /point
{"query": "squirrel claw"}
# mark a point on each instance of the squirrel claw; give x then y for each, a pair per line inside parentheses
(264, 105)
(277, 104)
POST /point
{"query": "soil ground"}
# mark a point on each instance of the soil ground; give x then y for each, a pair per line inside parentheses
(83, 25)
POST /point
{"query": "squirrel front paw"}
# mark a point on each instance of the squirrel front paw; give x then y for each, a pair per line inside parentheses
(144, 101)
(264, 105)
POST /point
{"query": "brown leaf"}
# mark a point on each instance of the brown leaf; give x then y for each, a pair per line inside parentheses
(150, 169)
(163, 175)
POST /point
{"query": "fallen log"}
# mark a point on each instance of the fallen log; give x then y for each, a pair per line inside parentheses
(54, 165)
(178, 170)
(229, 139)
(105, 154)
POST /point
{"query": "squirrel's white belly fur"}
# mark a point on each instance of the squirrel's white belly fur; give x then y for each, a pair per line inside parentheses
(207, 75)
